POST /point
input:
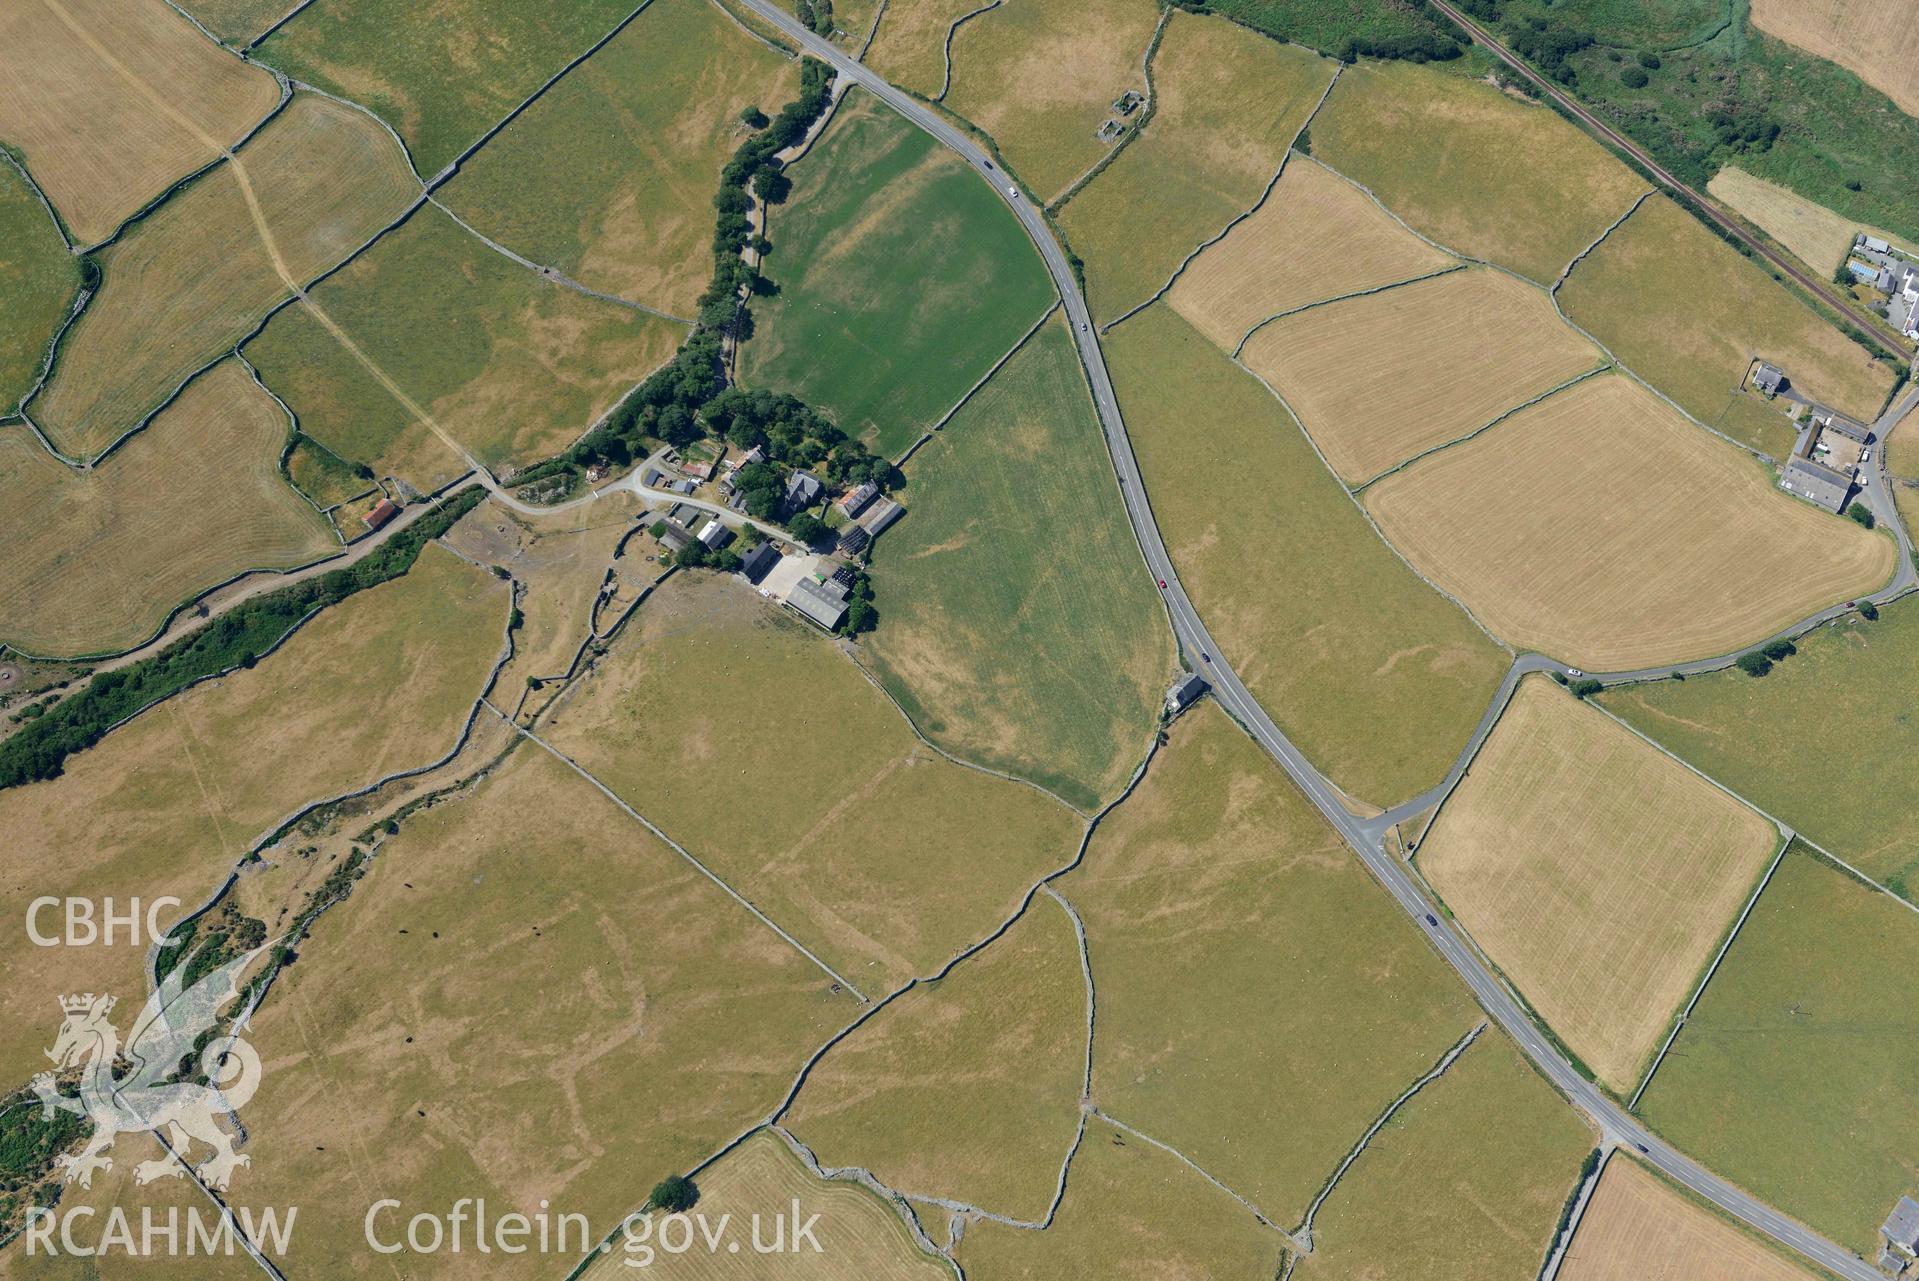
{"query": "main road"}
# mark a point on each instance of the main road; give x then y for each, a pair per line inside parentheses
(1614, 1122)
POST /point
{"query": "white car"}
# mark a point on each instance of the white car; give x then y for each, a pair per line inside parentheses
(1574, 672)
(1012, 191)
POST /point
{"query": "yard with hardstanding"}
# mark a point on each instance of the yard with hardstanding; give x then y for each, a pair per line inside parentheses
(1597, 873)
(1602, 528)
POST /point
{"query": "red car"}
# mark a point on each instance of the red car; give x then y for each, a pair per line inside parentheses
(1162, 584)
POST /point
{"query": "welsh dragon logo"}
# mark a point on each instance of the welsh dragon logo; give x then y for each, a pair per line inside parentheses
(143, 1085)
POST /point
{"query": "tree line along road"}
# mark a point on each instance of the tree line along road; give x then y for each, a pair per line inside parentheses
(1614, 1122)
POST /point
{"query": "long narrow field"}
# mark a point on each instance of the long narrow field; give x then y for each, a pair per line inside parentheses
(113, 101)
(1735, 729)
(1131, 1211)
(1004, 650)
(442, 72)
(1702, 553)
(97, 559)
(1041, 76)
(1473, 168)
(563, 1038)
(1684, 311)
(967, 1088)
(38, 279)
(1230, 101)
(1874, 39)
(610, 176)
(902, 279)
(511, 366)
(168, 804)
(1636, 1228)
(819, 771)
(1377, 677)
(1815, 233)
(1794, 1077)
(1902, 467)
(1215, 897)
(1316, 237)
(1599, 874)
(1464, 1184)
(185, 284)
(861, 1237)
(909, 47)
(1380, 379)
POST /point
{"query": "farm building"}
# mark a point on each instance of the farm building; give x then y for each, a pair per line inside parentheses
(854, 540)
(1185, 693)
(383, 511)
(757, 563)
(1825, 460)
(1901, 1231)
(716, 535)
(674, 537)
(881, 514)
(822, 603)
(1768, 379)
(854, 500)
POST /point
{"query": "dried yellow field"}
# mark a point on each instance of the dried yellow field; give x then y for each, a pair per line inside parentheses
(1475, 169)
(1683, 310)
(1597, 872)
(1604, 529)
(115, 100)
(909, 47)
(1876, 40)
(97, 559)
(1041, 77)
(967, 1088)
(1379, 379)
(185, 284)
(170, 802)
(1230, 102)
(1637, 1229)
(1316, 237)
(861, 1237)
(1815, 233)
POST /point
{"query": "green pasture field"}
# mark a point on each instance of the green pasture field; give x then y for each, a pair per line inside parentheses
(610, 176)
(1230, 101)
(512, 366)
(1743, 732)
(38, 278)
(1794, 1076)
(1377, 677)
(1652, 24)
(1020, 627)
(1686, 312)
(316, 473)
(902, 279)
(1131, 1211)
(1465, 1183)
(1216, 897)
(237, 21)
(836, 820)
(967, 1088)
(441, 72)
(1479, 171)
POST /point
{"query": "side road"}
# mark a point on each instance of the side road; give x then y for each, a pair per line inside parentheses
(1614, 1122)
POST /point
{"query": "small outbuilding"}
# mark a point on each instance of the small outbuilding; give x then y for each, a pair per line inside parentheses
(882, 513)
(383, 511)
(1186, 692)
(854, 500)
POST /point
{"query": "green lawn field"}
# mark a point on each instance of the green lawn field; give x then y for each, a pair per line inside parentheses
(1216, 897)
(610, 176)
(37, 281)
(513, 367)
(1019, 626)
(902, 279)
(1796, 1073)
(1841, 689)
(1377, 677)
(441, 72)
